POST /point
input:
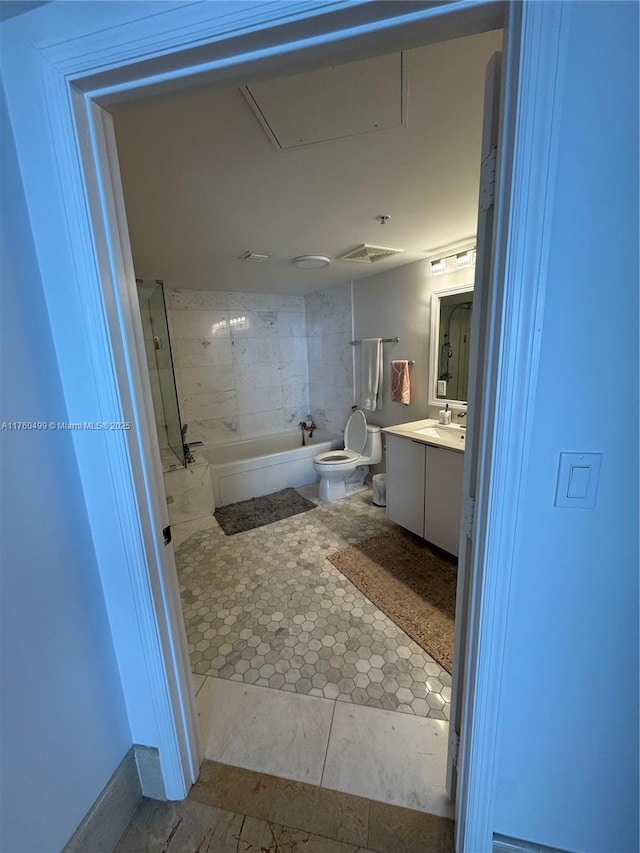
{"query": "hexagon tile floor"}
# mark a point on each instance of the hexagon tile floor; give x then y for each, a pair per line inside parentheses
(266, 607)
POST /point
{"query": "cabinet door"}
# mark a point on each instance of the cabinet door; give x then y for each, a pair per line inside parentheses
(443, 497)
(405, 482)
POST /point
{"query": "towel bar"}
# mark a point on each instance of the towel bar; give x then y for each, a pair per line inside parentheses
(384, 341)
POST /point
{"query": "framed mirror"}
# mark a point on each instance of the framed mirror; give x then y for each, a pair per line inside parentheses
(451, 310)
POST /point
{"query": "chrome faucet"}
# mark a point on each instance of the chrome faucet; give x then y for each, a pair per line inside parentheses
(460, 414)
(186, 449)
(304, 428)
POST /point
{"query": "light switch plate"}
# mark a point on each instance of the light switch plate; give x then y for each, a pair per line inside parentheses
(578, 476)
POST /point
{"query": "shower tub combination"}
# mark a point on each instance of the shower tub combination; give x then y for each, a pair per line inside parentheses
(260, 466)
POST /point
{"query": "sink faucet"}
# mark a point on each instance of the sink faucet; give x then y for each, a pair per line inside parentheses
(461, 414)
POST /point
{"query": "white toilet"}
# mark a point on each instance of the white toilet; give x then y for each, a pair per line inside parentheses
(342, 471)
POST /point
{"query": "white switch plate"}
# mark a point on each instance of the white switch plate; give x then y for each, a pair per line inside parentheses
(578, 475)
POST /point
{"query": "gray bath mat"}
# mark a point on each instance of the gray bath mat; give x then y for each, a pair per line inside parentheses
(256, 512)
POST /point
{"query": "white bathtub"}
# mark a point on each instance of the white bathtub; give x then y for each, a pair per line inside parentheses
(259, 466)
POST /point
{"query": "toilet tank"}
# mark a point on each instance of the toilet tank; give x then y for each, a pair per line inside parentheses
(372, 453)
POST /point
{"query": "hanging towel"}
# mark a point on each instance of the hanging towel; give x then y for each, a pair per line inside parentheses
(371, 369)
(400, 382)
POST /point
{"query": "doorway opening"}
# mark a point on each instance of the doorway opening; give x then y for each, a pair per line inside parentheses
(251, 351)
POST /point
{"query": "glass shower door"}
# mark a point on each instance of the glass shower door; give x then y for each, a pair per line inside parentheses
(164, 365)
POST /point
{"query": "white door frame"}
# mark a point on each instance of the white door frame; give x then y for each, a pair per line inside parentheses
(259, 39)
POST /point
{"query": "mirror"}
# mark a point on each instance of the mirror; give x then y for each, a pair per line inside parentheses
(450, 343)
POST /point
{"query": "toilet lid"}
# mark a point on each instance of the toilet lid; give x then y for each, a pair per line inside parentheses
(355, 433)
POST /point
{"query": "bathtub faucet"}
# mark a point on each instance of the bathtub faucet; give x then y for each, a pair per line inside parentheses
(304, 428)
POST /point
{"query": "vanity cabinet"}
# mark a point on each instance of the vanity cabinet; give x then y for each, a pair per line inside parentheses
(424, 490)
(443, 497)
(405, 483)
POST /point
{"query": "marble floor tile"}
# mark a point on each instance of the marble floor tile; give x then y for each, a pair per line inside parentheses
(393, 829)
(198, 681)
(190, 827)
(169, 827)
(294, 841)
(393, 758)
(305, 807)
(283, 734)
(267, 607)
(184, 529)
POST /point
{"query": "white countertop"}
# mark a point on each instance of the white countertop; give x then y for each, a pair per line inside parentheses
(429, 431)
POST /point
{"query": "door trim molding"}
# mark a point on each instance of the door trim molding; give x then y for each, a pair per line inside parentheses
(525, 180)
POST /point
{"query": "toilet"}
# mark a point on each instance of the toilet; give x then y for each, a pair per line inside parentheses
(342, 471)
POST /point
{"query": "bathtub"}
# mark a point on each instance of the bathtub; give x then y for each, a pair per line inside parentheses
(259, 466)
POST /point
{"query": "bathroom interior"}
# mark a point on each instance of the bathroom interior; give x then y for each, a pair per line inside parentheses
(292, 238)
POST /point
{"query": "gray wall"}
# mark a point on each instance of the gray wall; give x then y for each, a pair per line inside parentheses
(63, 724)
(393, 304)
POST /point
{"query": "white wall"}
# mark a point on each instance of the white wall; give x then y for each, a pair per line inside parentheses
(64, 728)
(567, 771)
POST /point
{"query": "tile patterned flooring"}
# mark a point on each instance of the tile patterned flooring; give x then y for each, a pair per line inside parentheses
(266, 607)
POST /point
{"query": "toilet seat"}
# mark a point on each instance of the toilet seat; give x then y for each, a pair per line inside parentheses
(336, 457)
(355, 433)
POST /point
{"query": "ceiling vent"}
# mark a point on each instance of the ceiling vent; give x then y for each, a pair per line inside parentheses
(366, 253)
(256, 257)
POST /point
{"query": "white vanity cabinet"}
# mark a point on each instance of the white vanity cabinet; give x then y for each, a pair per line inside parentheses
(405, 483)
(424, 490)
(443, 497)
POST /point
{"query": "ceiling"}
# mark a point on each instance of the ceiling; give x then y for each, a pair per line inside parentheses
(206, 180)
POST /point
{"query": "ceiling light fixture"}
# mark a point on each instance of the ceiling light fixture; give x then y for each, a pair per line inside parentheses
(311, 262)
(465, 259)
(451, 262)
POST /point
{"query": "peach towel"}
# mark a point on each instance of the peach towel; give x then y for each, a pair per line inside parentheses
(400, 382)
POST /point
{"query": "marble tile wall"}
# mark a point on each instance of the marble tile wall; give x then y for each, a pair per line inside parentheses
(241, 363)
(329, 315)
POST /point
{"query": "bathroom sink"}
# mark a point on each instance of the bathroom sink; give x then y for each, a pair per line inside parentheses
(444, 433)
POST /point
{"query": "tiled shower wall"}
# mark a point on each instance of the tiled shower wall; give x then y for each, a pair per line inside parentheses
(250, 364)
(329, 316)
(240, 361)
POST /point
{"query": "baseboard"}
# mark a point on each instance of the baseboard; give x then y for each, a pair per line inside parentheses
(147, 760)
(108, 817)
(502, 844)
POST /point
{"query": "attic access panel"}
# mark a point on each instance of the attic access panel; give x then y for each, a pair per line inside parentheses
(333, 103)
